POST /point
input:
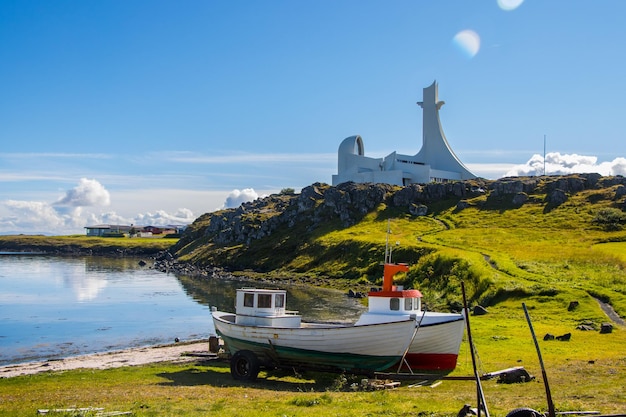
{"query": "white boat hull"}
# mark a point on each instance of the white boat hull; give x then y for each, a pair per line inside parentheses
(372, 347)
(437, 343)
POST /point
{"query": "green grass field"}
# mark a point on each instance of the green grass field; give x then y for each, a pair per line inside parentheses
(585, 374)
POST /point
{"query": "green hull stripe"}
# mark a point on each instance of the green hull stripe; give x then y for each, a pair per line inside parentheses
(288, 356)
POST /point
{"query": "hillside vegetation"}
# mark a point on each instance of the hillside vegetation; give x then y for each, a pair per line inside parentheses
(552, 239)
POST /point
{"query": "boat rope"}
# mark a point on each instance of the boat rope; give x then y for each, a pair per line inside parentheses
(406, 351)
(479, 362)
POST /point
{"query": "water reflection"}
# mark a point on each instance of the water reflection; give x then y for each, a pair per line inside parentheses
(85, 288)
(52, 307)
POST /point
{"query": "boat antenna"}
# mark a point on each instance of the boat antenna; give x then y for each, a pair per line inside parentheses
(387, 248)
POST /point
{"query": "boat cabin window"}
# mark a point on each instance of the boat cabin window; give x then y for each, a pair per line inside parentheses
(248, 300)
(408, 304)
(394, 304)
(280, 300)
(265, 301)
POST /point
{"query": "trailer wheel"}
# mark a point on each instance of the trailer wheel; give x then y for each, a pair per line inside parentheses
(244, 365)
(524, 412)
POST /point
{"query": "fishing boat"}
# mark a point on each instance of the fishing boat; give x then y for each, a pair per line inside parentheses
(436, 343)
(435, 346)
(262, 333)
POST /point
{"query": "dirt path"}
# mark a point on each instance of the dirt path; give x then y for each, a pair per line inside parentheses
(608, 310)
(179, 353)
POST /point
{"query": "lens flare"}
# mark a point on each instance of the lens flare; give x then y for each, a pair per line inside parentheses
(509, 5)
(468, 42)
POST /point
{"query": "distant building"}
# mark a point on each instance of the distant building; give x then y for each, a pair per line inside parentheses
(435, 162)
(104, 230)
(107, 229)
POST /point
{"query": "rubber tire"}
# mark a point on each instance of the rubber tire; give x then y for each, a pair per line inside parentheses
(524, 412)
(244, 366)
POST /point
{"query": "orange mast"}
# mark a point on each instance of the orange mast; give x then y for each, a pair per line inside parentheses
(389, 272)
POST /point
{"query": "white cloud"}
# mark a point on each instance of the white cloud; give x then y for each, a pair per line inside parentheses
(109, 217)
(558, 164)
(236, 197)
(157, 218)
(162, 218)
(75, 210)
(33, 214)
(86, 193)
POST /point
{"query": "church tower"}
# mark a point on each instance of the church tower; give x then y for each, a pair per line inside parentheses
(436, 150)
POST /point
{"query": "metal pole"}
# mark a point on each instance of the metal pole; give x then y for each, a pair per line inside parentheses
(551, 412)
(544, 155)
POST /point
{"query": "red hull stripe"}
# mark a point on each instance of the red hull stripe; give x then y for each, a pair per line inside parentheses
(445, 362)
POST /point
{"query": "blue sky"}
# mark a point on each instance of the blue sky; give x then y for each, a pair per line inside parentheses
(155, 112)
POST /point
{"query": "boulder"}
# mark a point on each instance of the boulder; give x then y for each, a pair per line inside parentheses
(573, 305)
(509, 186)
(556, 197)
(514, 376)
(463, 204)
(418, 209)
(564, 338)
(606, 328)
(520, 198)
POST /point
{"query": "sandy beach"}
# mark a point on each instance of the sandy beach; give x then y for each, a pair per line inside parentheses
(178, 353)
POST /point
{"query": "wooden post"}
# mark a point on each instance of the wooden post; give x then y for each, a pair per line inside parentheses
(551, 412)
(480, 395)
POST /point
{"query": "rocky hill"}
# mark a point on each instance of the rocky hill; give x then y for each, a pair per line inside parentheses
(228, 237)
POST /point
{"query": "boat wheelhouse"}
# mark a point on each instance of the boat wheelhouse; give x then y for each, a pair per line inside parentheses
(261, 307)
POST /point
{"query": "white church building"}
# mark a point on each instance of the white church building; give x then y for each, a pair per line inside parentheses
(435, 162)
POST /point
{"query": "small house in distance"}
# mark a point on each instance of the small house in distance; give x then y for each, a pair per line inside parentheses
(117, 230)
(102, 230)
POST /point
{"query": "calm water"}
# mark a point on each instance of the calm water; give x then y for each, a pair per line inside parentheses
(52, 307)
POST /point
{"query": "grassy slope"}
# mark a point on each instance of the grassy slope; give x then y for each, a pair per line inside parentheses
(502, 253)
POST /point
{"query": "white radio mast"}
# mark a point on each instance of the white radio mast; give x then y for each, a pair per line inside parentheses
(544, 154)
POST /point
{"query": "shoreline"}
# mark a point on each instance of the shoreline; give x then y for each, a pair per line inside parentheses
(181, 352)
